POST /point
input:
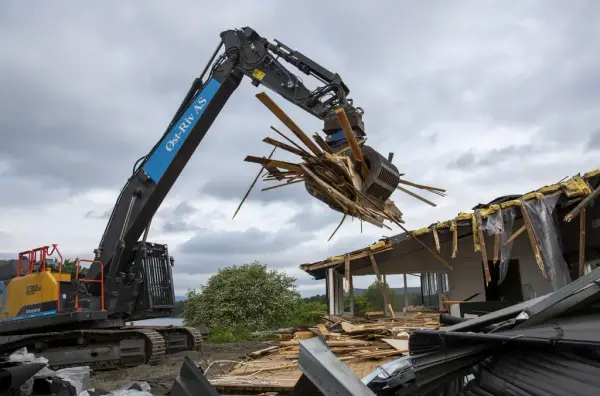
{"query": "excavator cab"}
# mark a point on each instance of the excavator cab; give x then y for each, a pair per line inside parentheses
(41, 287)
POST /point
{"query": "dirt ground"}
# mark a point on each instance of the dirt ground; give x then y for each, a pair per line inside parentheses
(161, 375)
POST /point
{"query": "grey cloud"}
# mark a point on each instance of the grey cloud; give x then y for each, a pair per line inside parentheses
(20, 192)
(179, 226)
(233, 185)
(185, 218)
(315, 220)
(209, 250)
(89, 104)
(92, 214)
(594, 141)
(109, 118)
(251, 241)
(472, 159)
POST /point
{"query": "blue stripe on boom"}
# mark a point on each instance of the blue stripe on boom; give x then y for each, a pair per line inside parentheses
(156, 166)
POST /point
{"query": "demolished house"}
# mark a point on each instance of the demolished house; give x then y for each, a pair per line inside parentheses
(512, 249)
(543, 346)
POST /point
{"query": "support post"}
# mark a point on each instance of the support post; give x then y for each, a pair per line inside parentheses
(405, 292)
(534, 245)
(330, 291)
(351, 295)
(440, 287)
(347, 273)
(386, 311)
(386, 300)
(339, 293)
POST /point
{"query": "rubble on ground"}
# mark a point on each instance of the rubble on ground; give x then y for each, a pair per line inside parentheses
(544, 346)
(362, 344)
(24, 374)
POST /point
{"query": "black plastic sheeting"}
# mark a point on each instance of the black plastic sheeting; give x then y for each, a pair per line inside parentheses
(532, 372)
(547, 346)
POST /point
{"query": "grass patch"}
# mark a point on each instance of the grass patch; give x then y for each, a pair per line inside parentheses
(224, 336)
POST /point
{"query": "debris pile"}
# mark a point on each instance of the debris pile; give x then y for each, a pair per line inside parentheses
(361, 344)
(357, 338)
(339, 178)
(24, 374)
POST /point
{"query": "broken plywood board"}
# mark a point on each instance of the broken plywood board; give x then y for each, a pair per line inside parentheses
(399, 345)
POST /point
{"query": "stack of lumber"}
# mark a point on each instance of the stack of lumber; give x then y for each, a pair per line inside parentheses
(351, 337)
(334, 177)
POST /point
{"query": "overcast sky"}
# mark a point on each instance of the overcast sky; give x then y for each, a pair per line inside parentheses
(481, 98)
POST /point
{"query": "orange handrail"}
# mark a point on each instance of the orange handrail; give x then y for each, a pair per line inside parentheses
(87, 280)
(32, 256)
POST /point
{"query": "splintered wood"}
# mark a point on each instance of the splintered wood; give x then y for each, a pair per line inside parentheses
(336, 178)
(360, 343)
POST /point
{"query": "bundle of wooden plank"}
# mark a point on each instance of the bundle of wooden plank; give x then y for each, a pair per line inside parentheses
(361, 343)
(333, 177)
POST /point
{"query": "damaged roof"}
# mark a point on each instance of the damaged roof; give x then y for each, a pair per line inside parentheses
(572, 190)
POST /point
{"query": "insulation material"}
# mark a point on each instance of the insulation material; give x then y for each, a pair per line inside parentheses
(539, 211)
(508, 222)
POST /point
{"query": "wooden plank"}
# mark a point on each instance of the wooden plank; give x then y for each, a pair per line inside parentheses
(262, 352)
(386, 299)
(352, 142)
(337, 228)
(421, 186)
(516, 234)
(436, 239)
(341, 260)
(454, 240)
(534, 246)
(323, 329)
(322, 143)
(274, 163)
(252, 185)
(399, 345)
(584, 203)
(287, 121)
(582, 241)
(496, 248)
(283, 146)
(412, 194)
(306, 153)
(484, 256)
(302, 335)
(281, 185)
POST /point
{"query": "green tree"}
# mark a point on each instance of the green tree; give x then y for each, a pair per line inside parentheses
(322, 298)
(247, 296)
(70, 265)
(308, 313)
(373, 295)
(361, 305)
(179, 309)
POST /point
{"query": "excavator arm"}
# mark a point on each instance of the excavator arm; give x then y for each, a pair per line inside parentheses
(240, 53)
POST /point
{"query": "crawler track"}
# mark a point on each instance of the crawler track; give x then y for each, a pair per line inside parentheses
(178, 338)
(105, 349)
